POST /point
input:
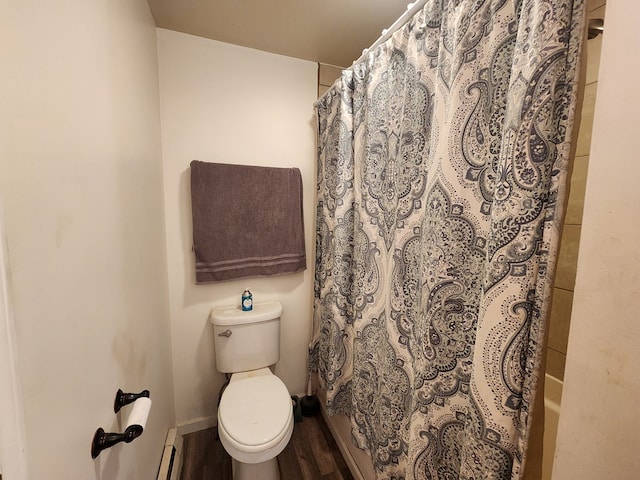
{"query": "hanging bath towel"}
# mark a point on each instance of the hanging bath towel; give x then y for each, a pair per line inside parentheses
(247, 221)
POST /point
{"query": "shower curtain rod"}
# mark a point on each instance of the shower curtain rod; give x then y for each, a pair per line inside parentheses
(411, 10)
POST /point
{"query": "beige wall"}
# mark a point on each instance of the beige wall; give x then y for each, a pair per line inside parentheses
(230, 104)
(81, 188)
(598, 432)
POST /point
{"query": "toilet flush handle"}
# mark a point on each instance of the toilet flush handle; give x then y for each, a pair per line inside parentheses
(226, 333)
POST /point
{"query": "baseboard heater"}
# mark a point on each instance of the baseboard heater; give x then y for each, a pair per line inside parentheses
(171, 463)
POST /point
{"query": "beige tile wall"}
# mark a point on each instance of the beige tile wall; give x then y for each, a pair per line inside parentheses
(327, 74)
(567, 259)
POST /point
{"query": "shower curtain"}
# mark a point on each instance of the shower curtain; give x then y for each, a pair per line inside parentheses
(442, 162)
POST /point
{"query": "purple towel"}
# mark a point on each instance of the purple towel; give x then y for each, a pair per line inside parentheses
(247, 221)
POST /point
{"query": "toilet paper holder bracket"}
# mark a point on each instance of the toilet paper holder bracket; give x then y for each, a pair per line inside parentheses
(123, 399)
(103, 440)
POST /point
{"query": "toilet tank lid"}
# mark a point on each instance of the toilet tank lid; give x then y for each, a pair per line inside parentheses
(234, 315)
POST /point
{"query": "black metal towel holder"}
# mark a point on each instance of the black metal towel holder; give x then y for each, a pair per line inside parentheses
(103, 440)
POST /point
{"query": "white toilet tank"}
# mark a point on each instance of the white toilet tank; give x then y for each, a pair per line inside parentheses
(246, 340)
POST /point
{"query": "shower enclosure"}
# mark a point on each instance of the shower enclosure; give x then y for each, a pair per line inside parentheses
(443, 158)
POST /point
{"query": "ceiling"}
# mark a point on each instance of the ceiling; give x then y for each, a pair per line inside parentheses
(326, 31)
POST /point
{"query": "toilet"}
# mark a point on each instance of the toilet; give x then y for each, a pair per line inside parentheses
(255, 414)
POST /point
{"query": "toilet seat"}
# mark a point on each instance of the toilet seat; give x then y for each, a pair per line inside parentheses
(255, 416)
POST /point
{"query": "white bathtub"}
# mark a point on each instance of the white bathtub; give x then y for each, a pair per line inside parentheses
(552, 398)
(362, 469)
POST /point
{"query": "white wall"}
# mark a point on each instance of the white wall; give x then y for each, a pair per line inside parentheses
(598, 432)
(230, 104)
(81, 186)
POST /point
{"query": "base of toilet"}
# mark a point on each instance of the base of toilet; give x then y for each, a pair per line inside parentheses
(268, 470)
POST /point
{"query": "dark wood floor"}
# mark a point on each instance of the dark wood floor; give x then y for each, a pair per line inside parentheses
(312, 454)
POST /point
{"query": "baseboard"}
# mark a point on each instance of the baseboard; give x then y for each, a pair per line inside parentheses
(196, 425)
(171, 463)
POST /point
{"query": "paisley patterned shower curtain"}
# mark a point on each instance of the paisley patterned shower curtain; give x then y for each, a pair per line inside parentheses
(442, 163)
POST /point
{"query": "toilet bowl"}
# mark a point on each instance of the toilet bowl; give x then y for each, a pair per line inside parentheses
(255, 423)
